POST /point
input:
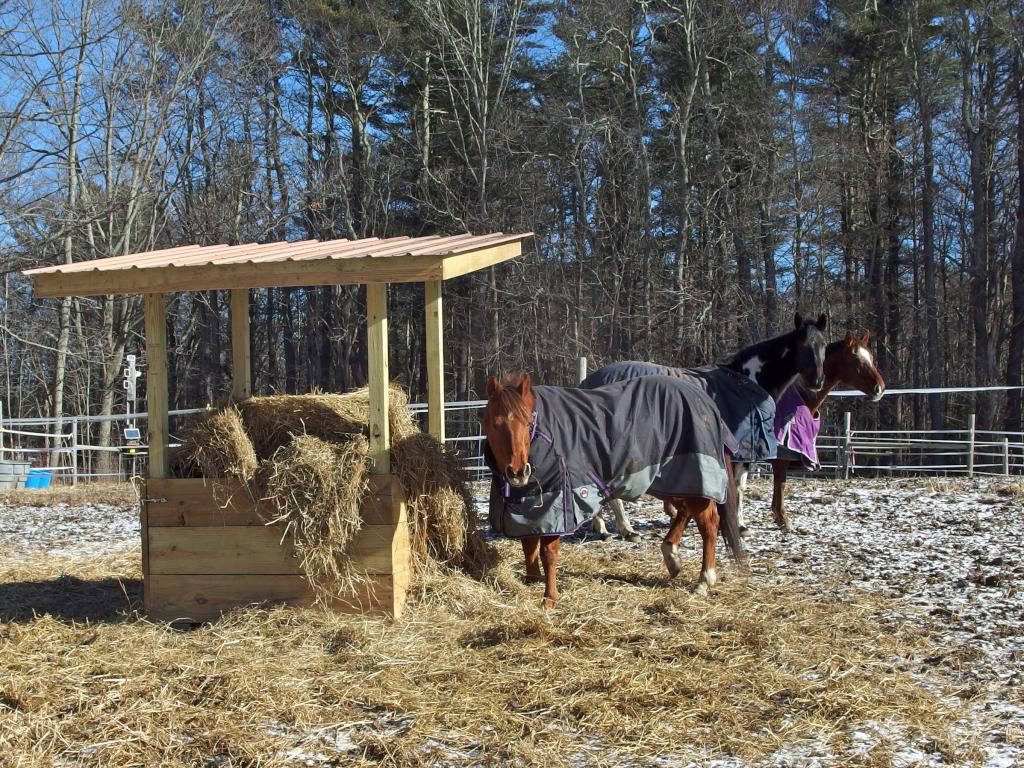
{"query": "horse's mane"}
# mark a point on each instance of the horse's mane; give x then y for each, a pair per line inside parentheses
(834, 346)
(760, 347)
(508, 398)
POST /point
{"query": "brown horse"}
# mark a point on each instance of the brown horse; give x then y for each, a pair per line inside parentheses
(625, 420)
(848, 362)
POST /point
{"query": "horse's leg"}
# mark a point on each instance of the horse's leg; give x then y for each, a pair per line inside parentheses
(549, 556)
(779, 495)
(670, 544)
(705, 514)
(622, 522)
(598, 526)
(531, 549)
(742, 470)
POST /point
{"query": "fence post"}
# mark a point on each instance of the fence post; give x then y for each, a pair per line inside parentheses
(1, 430)
(847, 442)
(1006, 456)
(74, 452)
(970, 445)
(581, 369)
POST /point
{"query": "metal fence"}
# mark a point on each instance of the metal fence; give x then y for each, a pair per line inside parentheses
(849, 450)
(967, 451)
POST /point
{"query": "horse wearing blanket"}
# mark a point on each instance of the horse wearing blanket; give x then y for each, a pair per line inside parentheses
(556, 453)
(746, 409)
(768, 367)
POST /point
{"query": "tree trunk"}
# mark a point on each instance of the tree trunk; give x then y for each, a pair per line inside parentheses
(1015, 358)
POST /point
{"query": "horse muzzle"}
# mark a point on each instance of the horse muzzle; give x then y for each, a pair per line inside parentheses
(877, 392)
(521, 478)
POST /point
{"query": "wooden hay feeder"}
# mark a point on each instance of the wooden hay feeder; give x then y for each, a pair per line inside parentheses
(200, 558)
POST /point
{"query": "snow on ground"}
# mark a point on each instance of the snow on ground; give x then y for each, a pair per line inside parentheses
(948, 553)
(66, 531)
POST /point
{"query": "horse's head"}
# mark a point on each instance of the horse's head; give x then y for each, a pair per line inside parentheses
(852, 363)
(810, 350)
(507, 421)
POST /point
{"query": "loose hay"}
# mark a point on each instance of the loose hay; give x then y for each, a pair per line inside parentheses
(318, 488)
(632, 670)
(443, 519)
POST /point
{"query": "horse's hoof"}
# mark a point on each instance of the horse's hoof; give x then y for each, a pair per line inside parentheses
(701, 588)
(605, 536)
(670, 561)
(547, 604)
(634, 536)
(743, 530)
(531, 579)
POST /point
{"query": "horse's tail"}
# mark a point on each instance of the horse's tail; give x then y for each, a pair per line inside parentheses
(729, 516)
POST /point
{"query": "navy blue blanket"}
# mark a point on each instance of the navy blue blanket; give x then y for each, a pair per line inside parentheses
(745, 407)
(654, 434)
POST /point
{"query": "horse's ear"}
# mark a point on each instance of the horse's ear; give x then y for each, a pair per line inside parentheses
(525, 385)
(822, 321)
(798, 320)
(493, 387)
(850, 340)
(865, 338)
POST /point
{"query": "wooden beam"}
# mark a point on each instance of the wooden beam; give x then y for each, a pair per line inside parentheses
(435, 358)
(241, 377)
(377, 369)
(471, 261)
(353, 271)
(155, 316)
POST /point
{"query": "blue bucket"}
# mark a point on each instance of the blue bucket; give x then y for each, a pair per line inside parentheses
(38, 478)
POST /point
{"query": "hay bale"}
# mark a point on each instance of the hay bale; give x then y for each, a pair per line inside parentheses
(311, 451)
(271, 421)
(317, 488)
(217, 446)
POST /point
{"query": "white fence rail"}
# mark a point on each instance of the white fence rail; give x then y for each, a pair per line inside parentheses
(966, 451)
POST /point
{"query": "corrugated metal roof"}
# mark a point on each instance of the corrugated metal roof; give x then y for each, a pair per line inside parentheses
(195, 267)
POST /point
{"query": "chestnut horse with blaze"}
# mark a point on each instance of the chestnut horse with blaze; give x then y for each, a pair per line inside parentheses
(556, 453)
(849, 362)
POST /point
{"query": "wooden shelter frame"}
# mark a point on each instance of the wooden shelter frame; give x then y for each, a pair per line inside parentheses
(374, 262)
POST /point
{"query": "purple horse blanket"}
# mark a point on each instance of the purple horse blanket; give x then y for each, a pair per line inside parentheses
(796, 429)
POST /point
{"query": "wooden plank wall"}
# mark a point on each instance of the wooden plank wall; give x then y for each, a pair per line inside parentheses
(204, 557)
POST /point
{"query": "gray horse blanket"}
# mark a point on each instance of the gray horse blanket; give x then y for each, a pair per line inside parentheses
(654, 434)
(746, 408)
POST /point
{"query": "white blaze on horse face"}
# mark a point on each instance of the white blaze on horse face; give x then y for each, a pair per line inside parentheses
(865, 355)
(753, 367)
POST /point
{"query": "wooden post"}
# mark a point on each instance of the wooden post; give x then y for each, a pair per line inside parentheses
(847, 442)
(241, 376)
(155, 311)
(435, 358)
(970, 445)
(1, 430)
(377, 347)
(581, 369)
(1006, 456)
